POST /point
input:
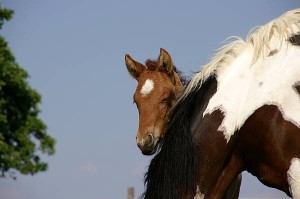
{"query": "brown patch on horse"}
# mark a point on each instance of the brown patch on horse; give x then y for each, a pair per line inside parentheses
(295, 40)
(297, 87)
(273, 52)
(267, 146)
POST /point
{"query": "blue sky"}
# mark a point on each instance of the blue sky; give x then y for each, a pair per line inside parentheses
(74, 52)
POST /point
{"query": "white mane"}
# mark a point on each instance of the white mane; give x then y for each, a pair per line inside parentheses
(260, 39)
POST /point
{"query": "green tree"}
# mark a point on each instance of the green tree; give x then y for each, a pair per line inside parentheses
(23, 136)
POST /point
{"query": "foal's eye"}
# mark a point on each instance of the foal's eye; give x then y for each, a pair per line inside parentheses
(165, 100)
(168, 100)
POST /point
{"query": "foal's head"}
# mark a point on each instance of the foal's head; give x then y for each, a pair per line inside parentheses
(158, 86)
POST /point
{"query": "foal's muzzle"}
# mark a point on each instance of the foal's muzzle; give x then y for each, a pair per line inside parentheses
(148, 145)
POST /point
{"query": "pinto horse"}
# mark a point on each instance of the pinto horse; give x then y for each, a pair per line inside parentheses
(159, 85)
(241, 112)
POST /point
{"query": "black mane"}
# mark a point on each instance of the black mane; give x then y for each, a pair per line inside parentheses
(173, 172)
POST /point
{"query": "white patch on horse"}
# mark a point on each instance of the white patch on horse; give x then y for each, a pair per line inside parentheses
(293, 176)
(147, 87)
(199, 195)
(240, 92)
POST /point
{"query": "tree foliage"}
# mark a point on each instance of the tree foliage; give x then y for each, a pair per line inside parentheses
(23, 136)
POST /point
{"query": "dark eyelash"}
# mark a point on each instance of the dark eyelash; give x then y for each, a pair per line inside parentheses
(166, 100)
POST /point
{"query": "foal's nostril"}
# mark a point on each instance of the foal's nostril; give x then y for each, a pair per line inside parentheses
(149, 141)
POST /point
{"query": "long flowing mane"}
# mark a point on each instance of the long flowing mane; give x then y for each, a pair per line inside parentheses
(261, 39)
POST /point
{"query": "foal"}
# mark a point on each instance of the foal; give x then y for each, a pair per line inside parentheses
(159, 85)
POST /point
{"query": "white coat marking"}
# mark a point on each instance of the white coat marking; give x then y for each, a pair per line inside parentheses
(147, 87)
(199, 195)
(293, 175)
(243, 88)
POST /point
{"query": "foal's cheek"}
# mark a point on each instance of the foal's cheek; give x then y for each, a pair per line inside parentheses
(163, 110)
(160, 127)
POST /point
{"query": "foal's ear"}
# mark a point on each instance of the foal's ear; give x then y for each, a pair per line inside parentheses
(134, 68)
(165, 63)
